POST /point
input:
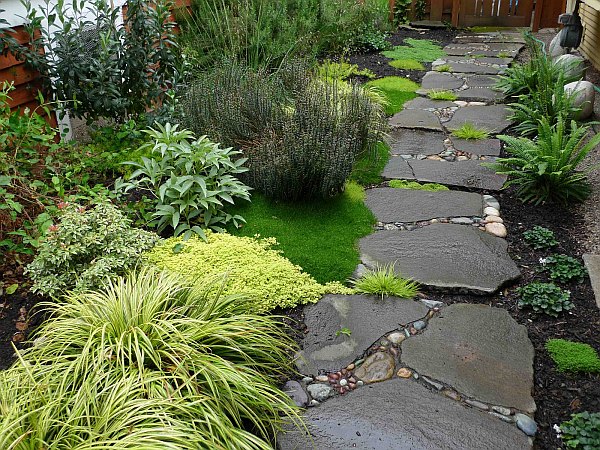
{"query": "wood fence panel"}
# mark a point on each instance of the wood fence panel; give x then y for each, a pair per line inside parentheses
(591, 36)
(509, 13)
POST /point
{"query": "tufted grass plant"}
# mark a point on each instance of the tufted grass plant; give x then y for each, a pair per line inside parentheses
(470, 131)
(442, 95)
(384, 281)
(443, 68)
(150, 362)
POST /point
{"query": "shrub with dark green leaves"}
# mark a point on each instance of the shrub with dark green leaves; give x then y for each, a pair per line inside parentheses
(573, 356)
(540, 238)
(545, 298)
(582, 432)
(563, 268)
(85, 248)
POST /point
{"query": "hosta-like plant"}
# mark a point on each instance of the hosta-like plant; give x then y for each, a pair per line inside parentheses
(189, 181)
(149, 362)
(545, 169)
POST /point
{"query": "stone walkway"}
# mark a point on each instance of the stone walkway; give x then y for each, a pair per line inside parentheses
(420, 374)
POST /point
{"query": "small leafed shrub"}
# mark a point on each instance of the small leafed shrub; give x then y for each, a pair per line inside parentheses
(564, 268)
(255, 269)
(189, 181)
(384, 281)
(540, 238)
(86, 248)
(582, 432)
(442, 95)
(546, 298)
(341, 70)
(470, 131)
(573, 356)
(406, 184)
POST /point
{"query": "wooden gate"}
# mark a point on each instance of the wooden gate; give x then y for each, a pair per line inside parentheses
(496, 13)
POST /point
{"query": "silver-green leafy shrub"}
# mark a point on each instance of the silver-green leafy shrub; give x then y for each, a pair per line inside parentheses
(86, 247)
(189, 181)
(563, 268)
(545, 298)
(582, 431)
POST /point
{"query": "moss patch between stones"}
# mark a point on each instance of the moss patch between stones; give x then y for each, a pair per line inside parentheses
(573, 356)
(397, 90)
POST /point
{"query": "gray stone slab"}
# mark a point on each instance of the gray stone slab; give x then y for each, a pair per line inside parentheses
(482, 81)
(403, 141)
(592, 264)
(479, 94)
(427, 103)
(325, 349)
(485, 60)
(481, 147)
(416, 118)
(492, 37)
(400, 415)
(441, 81)
(408, 205)
(480, 351)
(445, 256)
(469, 173)
(457, 67)
(474, 51)
(492, 118)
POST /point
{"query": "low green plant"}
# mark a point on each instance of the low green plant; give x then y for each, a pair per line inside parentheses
(540, 238)
(545, 298)
(150, 362)
(470, 131)
(341, 70)
(407, 64)
(420, 7)
(545, 169)
(563, 268)
(368, 167)
(442, 95)
(573, 356)
(443, 68)
(189, 179)
(406, 184)
(401, 11)
(254, 269)
(582, 431)
(503, 55)
(345, 331)
(422, 50)
(398, 90)
(384, 281)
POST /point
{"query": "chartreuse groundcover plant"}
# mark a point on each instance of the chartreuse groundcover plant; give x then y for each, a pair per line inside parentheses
(573, 356)
(148, 362)
(397, 90)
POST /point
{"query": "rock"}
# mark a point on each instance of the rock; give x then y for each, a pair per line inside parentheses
(377, 367)
(480, 147)
(343, 382)
(592, 264)
(501, 410)
(554, 49)
(489, 211)
(432, 383)
(496, 229)
(492, 118)
(462, 220)
(319, 392)
(407, 143)
(404, 373)
(296, 392)
(360, 382)
(416, 118)
(350, 366)
(451, 394)
(493, 219)
(432, 303)
(477, 404)
(502, 417)
(322, 378)
(440, 81)
(583, 97)
(396, 337)
(419, 325)
(573, 66)
(526, 424)
(360, 270)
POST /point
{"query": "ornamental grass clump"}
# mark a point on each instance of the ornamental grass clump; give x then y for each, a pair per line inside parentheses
(384, 281)
(148, 362)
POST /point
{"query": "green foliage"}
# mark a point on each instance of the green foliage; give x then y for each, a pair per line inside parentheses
(545, 169)
(397, 90)
(301, 135)
(369, 165)
(420, 6)
(341, 70)
(443, 95)
(582, 432)
(85, 248)
(401, 11)
(149, 362)
(320, 235)
(564, 268)
(503, 55)
(443, 68)
(546, 298)
(189, 180)
(573, 356)
(540, 238)
(254, 269)
(421, 50)
(470, 131)
(384, 281)
(406, 184)
(407, 64)
(345, 331)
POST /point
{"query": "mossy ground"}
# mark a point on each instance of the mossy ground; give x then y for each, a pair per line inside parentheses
(397, 90)
(407, 64)
(368, 168)
(573, 356)
(422, 50)
(405, 184)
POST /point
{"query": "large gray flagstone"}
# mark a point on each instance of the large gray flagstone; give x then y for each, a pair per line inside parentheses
(485, 60)
(457, 67)
(492, 118)
(410, 205)
(416, 118)
(441, 81)
(325, 349)
(446, 256)
(427, 103)
(479, 94)
(480, 351)
(470, 174)
(482, 81)
(482, 147)
(592, 264)
(400, 415)
(404, 141)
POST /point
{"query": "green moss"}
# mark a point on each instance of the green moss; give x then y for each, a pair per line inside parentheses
(252, 267)
(320, 236)
(397, 90)
(442, 95)
(573, 356)
(407, 64)
(405, 184)
(422, 50)
(368, 168)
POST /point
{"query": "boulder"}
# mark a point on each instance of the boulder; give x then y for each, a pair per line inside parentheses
(554, 49)
(583, 97)
(573, 65)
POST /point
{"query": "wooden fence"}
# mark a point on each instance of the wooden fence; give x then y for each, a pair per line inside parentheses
(590, 46)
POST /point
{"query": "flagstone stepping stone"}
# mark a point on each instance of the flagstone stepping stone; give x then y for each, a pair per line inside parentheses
(409, 205)
(592, 264)
(485, 60)
(400, 414)
(492, 118)
(492, 37)
(481, 81)
(427, 103)
(481, 147)
(404, 141)
(416, 118)
(479, 94)
(440, 81)
(445, 256)
(470, 174)
(326, 349)
(458, 67)
(480, 351)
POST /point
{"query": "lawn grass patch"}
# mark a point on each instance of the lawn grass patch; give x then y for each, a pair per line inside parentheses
(368, 168)
(407, 64)
(405, 184)
(397, 90)
(422, 50)
(320, 236)
(573, 356)
(442, 95)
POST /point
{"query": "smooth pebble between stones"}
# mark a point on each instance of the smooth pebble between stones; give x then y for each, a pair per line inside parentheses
(495, 219)
(526, 424)
(489, 211)
(497, 229)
